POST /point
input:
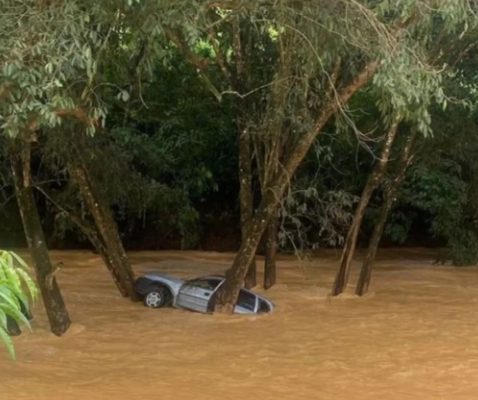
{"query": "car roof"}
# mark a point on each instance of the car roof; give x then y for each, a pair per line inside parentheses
(220, 277)
(210, 277)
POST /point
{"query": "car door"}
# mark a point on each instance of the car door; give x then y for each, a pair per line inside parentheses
(196, 294)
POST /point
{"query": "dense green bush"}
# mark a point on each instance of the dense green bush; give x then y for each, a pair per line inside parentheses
(437, 196)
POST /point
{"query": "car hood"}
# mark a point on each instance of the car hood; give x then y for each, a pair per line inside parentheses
(170, 281)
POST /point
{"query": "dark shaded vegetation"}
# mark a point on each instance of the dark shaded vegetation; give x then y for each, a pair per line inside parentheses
(241, 126)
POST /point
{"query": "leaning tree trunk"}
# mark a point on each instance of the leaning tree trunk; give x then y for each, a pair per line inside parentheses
(109, 263)
(45, 273)
(100, 247)
(270, 253)
(93, 236)
(365, 272)
(228, 292)
(389, 198)
(106, 225)
(373, 182)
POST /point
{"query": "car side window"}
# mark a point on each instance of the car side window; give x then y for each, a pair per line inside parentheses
(263, 307)
(246, 300)
(207, 284)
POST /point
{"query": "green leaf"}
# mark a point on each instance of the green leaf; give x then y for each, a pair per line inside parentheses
(33, 290)
(3, 319)
(7, 340)
(8, 296)
(15, 313)
(13, 298)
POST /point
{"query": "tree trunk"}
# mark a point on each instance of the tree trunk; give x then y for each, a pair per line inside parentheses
(246, 196)
(99, 209)
(365, 272)
(389, 198)
(109, 263)
(100, 247)
(270, 253)
(228, 292)
(373, 182)
(45, 273)
(94, 238)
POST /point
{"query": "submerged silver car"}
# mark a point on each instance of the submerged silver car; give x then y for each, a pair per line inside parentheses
(158, 290)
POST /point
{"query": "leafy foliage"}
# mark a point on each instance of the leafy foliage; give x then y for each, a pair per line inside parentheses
(159, 83)
(441, 190)
(438, 196)
(16, 290)
(311, 219)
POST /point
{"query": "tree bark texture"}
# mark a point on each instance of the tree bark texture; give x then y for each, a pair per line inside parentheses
(389, 198)
(109, 263)
(270, 253)
(373, 182)
(246, 199)
(94, 238)
(115, 255)
(227, 295)
(271, 146)
(45, 273)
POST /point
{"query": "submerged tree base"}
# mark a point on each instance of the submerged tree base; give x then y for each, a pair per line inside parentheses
(45, 273)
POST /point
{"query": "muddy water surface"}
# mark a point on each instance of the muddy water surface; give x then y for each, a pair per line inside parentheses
(415, 336)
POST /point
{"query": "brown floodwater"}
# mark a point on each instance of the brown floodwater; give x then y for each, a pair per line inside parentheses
(414, 336)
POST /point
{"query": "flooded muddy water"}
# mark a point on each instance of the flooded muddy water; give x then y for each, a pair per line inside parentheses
(414, 336)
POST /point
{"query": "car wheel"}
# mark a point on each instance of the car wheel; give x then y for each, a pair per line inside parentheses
(155, 298)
